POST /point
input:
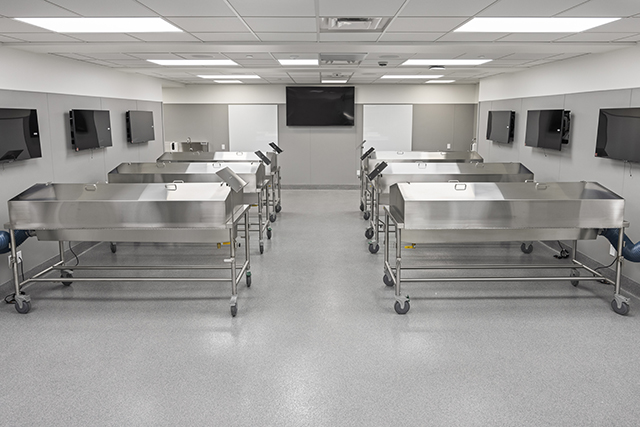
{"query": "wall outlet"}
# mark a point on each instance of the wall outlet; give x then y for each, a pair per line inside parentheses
(448, 146)
(612, 250)
(18, 255)
(223, 146)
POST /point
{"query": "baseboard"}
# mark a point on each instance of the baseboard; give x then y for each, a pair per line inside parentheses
(8, 287)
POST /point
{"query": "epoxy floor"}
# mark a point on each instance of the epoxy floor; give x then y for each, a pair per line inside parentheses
(316, 341)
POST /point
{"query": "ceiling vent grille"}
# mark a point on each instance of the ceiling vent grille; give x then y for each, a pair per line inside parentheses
(332, 24)
(342, 58)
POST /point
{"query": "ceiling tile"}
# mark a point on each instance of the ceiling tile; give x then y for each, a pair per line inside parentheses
(635, 38)
(164, 37)
(226, 37)
(258, 63)
(189, 7)
(410, 37)
(595, 37)
(254, 55)
(526, 37)
(44, 37)
(295, 55)
(139, 63)
(274, 7)
(152, 55)
(538, 8)
(391, 63)
(349, 37)
(108, 56)
(105, 8)
(527, 56)
(8, 25)
(31, 9)
(106, 37)
(471, 37)
(210, 25)
(604, 8)
(282, 25)
(5, 39)
(287, 37)
(359, 8)
(71, 56)
(432, 25)
(464, 8)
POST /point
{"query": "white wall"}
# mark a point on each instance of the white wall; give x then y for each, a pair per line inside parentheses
(53, 86)
(583, 86)
(46, 73)
(619, 69)
(275, 94)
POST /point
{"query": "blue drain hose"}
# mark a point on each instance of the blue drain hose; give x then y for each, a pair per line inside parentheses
(630, 251)
(5, 239)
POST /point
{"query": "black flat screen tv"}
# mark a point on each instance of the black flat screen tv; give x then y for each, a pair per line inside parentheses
(547, 128)
(140, 126)
(320, 106)
(90, 129)
(619, 134)
(19, 134)
(500, 126)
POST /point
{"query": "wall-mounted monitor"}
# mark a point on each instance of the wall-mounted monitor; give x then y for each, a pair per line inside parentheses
(320, 106)
(19, 134)
(547, 128)
(500, 126)
(90, 129)
(619, 134)
(140, 126)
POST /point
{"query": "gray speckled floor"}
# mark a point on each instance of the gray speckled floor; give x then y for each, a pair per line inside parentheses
(316, 342)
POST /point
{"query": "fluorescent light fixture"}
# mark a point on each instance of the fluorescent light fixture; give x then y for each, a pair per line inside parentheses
(398, 76)
(334, 81)
(532, 25)
(227, 81)
(102, 25)
(441, 81)
(298, 61)
(443, 62)
(230, 76)
(193, 62)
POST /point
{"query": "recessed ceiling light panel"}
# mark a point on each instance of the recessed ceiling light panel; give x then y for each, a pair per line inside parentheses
(532, 25)
(193, 62)
(298, 61)
(417, 76)
(441, 81)
(102, 25)
(443, 62)
(227, 81)
(334, 81)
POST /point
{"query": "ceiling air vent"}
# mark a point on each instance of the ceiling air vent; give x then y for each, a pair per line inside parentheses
(353, 24)
(342, 58)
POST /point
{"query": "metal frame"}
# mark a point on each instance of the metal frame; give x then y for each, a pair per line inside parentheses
(23, 300)
(393, 274)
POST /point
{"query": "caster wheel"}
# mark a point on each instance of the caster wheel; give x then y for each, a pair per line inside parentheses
(366, 216)
(278, 208)
(374, 248)
(623, 310)
(402, 310)
(368, 233)
(113, 247)
(261, 248)
(248, 280)
(272, 217)
(269, 233)
(66, 275)
(26, 306)
(575, 273)
(387, 281)
(526, 249)
(362, 206)
(234, 310)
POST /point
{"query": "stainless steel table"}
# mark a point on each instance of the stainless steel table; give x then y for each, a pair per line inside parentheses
(175, 213)
(495, 212)
(256, 192)
(393, 173)
(370, 158)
